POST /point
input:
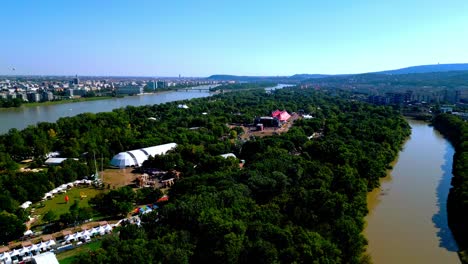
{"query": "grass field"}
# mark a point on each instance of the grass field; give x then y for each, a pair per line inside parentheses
(58, 204)
(67, 257)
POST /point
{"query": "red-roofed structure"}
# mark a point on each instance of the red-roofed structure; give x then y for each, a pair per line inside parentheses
(281, 115)
(165, 198)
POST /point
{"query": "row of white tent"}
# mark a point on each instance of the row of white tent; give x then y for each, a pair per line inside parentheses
(102, 230)
(63, 188)
(43, 246)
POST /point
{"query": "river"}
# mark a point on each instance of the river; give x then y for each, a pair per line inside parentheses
(407, 220)
(24, 116)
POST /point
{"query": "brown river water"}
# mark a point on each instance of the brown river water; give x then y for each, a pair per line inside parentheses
(407, 220)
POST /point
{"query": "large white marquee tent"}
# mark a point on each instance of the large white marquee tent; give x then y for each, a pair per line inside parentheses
(135, 158)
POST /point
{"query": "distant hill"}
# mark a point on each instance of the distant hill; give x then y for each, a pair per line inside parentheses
(305, 76)
(225, 77)
(293, 78)
(429, 68)
(435, 68)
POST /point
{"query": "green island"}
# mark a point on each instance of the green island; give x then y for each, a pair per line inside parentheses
(456, 130)
(299, 196)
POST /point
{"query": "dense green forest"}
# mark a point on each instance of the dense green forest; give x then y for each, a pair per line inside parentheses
(456, 130)
(295, 199)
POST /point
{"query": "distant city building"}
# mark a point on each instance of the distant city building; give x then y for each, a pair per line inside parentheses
(22, 96)
(34, 97)
(76, 80)
(47, 96)
(130, 89)
(152, 85)
(69, 92)
(446, 109)
(161, 84)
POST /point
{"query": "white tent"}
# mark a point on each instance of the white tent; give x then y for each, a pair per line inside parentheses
(33, 247)
(138, 156)
(78, 235)
(77, 182)
(51, 243)
(94, 231)
(42, 246)
(102, 230)
(86, 233)
(54, 191)
(70, 237)
(227, 155)
(108, 228)
(45, 258)
(15, 252)
(26, 204)
(4, 256)
(23, 251)
(29, 232)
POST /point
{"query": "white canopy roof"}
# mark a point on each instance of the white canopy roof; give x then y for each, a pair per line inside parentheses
(33, 247)
(26, 204)
(70, 237)
(95, 230)
(42, 245)
(45, 258)
(138, 156)
(23, 251)
(4, 255)
(227, 155)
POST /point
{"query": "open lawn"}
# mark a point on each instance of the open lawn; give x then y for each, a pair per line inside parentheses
(58, 204)
(67, 257)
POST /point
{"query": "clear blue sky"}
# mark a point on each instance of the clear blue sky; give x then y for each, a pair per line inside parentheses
(243, 37)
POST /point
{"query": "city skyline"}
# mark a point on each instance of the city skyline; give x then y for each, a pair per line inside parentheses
(240, 38)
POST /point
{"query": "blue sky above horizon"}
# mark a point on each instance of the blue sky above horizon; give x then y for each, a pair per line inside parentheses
(201, 38)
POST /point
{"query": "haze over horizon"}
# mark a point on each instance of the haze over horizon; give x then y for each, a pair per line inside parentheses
(260, 38)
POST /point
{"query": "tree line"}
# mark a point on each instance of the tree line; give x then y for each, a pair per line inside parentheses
(456, 130)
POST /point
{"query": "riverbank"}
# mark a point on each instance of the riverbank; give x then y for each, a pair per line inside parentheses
(67, 101)
(22, 117)
(455, 129)
(407, 219)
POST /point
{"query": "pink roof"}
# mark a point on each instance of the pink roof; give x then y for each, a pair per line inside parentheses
(276, 113)
(281, 115)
